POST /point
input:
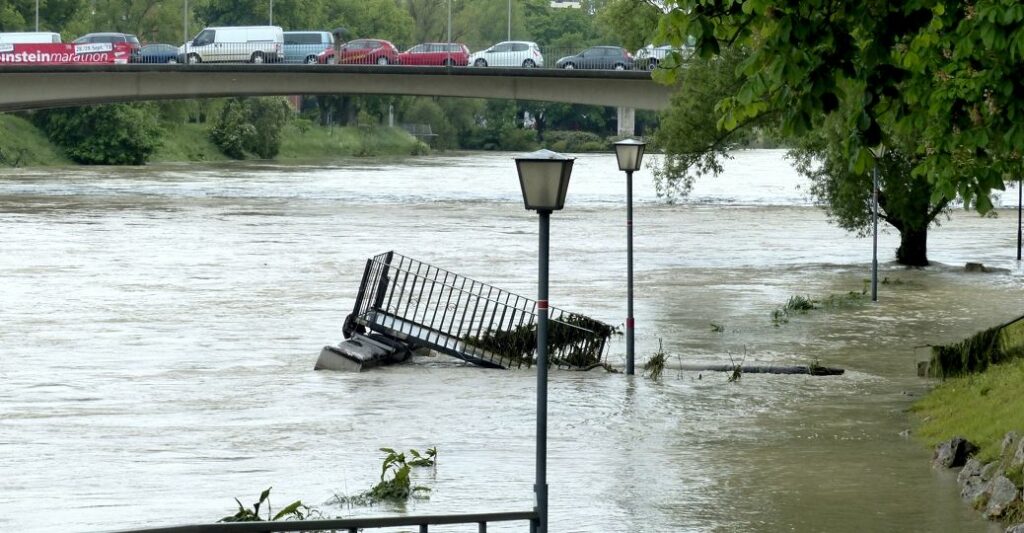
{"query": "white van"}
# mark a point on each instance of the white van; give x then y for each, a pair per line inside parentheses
(33, 37)
(253, 44)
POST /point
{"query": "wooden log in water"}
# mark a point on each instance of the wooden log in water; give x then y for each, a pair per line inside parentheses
(766, 369)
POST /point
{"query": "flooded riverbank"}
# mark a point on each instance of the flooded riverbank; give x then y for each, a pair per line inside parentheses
(160, 326)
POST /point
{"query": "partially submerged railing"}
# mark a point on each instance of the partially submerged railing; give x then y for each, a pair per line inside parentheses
(432, 307)
(351, 525)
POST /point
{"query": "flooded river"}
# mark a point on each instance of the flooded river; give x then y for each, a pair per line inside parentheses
(158, 329)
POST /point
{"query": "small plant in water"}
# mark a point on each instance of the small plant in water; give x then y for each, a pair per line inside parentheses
(395, 484)
(717, 328)
(656, 364)
(295, 511)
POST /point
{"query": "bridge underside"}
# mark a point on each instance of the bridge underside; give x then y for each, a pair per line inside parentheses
(36, 87)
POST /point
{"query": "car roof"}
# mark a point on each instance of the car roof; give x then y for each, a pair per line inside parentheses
(305, 31)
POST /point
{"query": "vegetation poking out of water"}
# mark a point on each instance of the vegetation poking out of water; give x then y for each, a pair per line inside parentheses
(979, 351)
(799, 305)
(573, 340)
(656, 364)
(979, 407)
(717, 328)
(295, 511)
(395, 484)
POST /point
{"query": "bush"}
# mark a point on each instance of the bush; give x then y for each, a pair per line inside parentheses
(251, 126)
(112, 134)
(575, 141)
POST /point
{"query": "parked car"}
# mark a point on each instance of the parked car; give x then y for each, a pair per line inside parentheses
(362, 52)
(650, 56)
(30, 37)
(113, 38)
(509, 54)
(305, 46)
(598, 57)
(450, 54)
(253, 44)
(157, 53)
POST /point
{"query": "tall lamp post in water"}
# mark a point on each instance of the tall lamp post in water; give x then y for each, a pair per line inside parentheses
(629, 152)
(1020, 197)
(878, 152)
(544, 179)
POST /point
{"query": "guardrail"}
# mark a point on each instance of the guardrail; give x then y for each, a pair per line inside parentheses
(351, 525)
(603, 58)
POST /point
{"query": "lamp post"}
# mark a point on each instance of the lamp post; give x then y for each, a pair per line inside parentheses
(509, 38)
(448, 45)
(629, 152)
(184, 24)
(271, 13)
(878, 152)
(37, 15)
(544, 179)
(1020, 196)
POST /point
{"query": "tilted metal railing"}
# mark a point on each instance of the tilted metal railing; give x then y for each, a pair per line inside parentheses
(428, 306)
(350, 525)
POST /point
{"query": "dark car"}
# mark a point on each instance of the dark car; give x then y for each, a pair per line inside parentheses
(450, 54)
(157, 53)
(598, 57)
(362, 52)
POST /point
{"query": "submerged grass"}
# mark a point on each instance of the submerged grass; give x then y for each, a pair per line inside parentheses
(980, 407)
(800, 305)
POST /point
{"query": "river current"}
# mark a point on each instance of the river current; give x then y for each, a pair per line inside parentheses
(159, 325)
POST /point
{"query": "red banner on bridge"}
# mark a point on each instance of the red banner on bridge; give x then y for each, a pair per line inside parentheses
(64, 54)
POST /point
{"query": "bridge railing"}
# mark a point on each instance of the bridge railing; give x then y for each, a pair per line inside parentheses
(351, 525)
(603, 58)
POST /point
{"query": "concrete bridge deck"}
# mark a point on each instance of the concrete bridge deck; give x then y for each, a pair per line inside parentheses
(39, 86)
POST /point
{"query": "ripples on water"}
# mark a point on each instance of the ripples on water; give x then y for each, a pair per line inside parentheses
(159, 327)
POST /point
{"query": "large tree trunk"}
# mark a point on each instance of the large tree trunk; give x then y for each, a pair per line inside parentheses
(913, 250)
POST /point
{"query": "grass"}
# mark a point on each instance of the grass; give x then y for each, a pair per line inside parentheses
(186, 142)
(979, 407)
(21, 144)
(303, 140)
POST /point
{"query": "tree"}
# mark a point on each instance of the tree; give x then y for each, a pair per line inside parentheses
(20, 15)
(946, 73)
(114, 134)
(251, 126)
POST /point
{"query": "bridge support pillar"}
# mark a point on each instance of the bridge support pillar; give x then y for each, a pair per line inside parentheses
(626, 121)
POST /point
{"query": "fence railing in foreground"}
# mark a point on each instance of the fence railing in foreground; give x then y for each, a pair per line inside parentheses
(350, 525)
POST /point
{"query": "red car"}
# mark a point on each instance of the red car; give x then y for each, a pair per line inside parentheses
(362, 52)
(448, 54)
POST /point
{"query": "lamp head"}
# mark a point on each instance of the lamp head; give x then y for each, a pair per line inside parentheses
(544, 179)
(629, 152)
(878, 150)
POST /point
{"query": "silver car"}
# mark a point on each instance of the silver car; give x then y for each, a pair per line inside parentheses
(524, 54)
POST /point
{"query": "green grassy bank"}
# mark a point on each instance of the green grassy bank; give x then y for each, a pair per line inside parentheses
(24, 145)
(979, 407)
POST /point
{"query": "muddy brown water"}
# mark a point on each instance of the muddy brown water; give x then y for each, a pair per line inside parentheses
(158, 328)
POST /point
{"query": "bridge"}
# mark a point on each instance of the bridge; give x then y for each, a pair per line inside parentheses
(37, 87)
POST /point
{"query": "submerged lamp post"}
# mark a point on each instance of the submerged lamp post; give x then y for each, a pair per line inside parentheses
(629, 152)
(878, 152)
(544, 179)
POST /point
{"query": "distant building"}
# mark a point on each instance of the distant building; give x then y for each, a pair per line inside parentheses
(565, 3)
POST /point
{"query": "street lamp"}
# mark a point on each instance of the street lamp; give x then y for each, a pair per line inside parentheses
(37, 15)
(544, 179)
(271, 13)
(629, 152)
(509, 21)
(879, 152)
(1020, 197)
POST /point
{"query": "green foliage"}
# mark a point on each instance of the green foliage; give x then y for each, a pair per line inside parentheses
(22, 144)
(799, 305)
(945, 74)
(978, 352)
(293, 511)
(395, 484)
(575, 142)
(251, 126)
(427, 111)
(113, 134)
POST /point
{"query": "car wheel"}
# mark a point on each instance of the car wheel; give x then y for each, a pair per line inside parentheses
(652, 64)
(382, 60)
(332, 60)
(529, 64)
(568, 66)
(257, 57)
(311, 60)
(620, 66)
(172, 60)
(480, 63)
(194, 59)
(449, 63)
